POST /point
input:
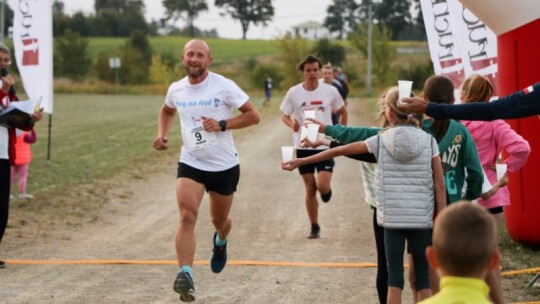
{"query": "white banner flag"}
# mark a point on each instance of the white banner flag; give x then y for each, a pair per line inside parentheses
(33, 43)
(442, 38)
(478, 43)
(459, 43)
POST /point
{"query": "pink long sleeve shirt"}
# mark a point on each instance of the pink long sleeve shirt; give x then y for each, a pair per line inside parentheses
(492, 137)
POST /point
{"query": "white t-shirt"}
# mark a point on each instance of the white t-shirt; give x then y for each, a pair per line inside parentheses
(215, 97)
(324, 99)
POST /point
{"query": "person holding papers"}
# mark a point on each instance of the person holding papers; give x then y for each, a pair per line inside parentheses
(8, 137)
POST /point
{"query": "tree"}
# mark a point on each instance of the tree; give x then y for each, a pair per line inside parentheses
(383, 53)
(116, 5)
(329, 52)
(191, 8)
(342, 16)
(394, 14)
(247, 11)
(139, 42)
(58, 7)
(71, 58)
(291, 52)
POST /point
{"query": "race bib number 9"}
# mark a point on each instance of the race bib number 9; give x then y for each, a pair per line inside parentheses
(198, 138)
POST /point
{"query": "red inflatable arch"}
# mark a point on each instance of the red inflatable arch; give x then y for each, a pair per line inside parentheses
(517, 26)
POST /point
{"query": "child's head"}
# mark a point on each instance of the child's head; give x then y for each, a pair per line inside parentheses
(439, 89)
(476, 88)
(464, 241)
(388, 102)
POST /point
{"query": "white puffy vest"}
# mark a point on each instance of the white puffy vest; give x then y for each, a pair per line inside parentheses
(405, 191)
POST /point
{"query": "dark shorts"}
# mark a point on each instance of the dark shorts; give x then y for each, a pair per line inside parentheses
(222, 182)
(496, 210)
(327, 165)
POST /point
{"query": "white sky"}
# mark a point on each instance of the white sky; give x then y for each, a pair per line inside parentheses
(287, 13)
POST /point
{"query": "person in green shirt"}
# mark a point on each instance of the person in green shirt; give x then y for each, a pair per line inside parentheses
(464, 249)
(456, 145)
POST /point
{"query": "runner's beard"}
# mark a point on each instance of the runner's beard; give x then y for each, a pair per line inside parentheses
(194, 73)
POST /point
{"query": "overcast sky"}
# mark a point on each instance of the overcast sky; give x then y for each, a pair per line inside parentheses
(287, 13)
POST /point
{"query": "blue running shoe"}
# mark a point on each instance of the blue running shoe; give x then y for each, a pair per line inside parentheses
(219, 256)
(315, 232)
(183, 284)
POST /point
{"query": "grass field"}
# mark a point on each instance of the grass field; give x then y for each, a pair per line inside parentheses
(228, 50)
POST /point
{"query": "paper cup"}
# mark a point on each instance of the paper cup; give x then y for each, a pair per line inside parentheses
(312, 132)
(287, 153)
(404, 87)
(310, 114)
(501, 170)
(303, 132)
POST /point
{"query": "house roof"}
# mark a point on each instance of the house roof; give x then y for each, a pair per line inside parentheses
(309, 25)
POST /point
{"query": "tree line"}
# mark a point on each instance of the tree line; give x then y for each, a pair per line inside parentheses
(118, 18)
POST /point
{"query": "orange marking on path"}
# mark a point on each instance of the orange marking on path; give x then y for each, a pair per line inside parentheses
(522, 271)
(172, 262)
(235, 263)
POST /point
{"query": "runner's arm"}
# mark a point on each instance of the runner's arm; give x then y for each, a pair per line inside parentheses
(165, 121)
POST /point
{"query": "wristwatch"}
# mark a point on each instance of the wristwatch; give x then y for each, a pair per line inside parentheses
(223, 124)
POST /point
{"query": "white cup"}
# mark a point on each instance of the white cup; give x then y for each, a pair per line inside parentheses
(312, 132)
(404, 87)
(310, 114)
(501, 170)
(287, 153)
(303, 133)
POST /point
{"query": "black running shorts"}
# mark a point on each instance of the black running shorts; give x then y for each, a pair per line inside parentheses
(327, 165)
(496, 210)
(222, 182)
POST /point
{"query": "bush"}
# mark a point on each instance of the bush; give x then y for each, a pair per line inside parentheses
(135, 59)
(291, 52)
(160, 73)
(417, 72)
(261, 71)
(383, 54)
(71, 58)
(329, 52)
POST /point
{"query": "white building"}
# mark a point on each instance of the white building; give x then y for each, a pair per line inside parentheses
(310, 30)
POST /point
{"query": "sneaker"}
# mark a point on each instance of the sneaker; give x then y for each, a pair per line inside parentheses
(2, 264)
(183, 284)
(219, 256)
(327, 196)
(25, 196)
(11, 197)
(315, 232)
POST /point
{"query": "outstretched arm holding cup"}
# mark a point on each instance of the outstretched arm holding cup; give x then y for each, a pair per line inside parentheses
(520, 104)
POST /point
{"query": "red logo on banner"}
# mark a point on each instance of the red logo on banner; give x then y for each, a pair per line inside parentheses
(30, 54)
(482, 67)
(454, 70)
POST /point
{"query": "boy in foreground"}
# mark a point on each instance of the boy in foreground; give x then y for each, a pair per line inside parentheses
(464, 249)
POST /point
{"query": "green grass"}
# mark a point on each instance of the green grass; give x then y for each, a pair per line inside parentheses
(95, 137)
(226, 50)
(98, 136)
(98, 143)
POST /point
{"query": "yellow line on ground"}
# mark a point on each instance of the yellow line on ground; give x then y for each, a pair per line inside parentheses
(522, 271)
(235, 263)
(172, 262)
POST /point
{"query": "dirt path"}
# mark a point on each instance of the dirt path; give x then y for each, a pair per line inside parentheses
(270, 224)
